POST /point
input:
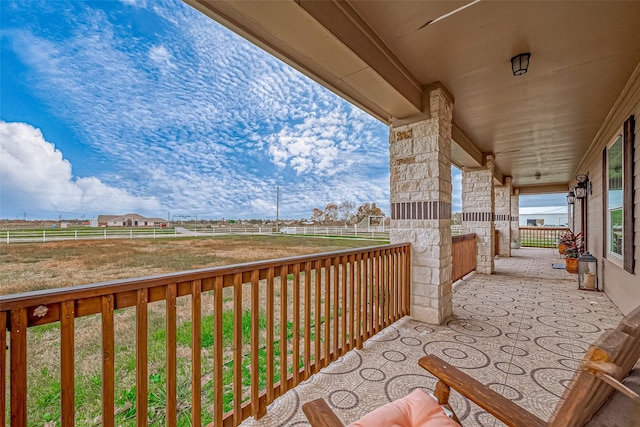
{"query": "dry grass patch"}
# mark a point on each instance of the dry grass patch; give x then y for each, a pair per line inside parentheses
(26, 267)
(35, 266)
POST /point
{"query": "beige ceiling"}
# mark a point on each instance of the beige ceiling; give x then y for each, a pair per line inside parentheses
(380, 55)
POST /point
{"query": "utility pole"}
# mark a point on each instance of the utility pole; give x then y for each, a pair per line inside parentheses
(277, 206)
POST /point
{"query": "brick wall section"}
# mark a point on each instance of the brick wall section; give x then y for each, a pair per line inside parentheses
(502, 223)
(478, 212)
(420, 163)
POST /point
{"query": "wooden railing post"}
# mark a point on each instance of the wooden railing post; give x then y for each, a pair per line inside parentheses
(3, 368)
(196, 356)
(255, 340)
(343, 300)
(284, 318)
(327, 313)
(217, 351)
(270, 341)
(358, 306)
(307, 320)
(141, 358)
(295, 364)
(317, 314)
(237, 349)
(108, 362)
(19, 367)
(67, 384)
(171, 356)
(336, 305)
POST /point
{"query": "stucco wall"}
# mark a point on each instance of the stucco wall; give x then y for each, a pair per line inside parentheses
(622, 287)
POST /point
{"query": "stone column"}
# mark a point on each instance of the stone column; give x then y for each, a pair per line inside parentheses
(420, 157)
(478, 212)
(515, 215)
(502, 223)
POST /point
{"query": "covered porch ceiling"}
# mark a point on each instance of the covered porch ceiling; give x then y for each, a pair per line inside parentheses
(383, 55)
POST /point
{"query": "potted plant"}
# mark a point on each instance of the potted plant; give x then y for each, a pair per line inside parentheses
(566, 240)
(571, 255)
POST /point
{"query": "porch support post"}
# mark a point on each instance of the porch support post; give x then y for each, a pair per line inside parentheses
(515, 216)
(420, 157)
(478, 212)
(502, 223)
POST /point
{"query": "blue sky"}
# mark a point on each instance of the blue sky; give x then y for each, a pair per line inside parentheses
(151, 107)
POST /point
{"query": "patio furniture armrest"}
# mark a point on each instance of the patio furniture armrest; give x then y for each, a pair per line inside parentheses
(492, 402)
(320, 415)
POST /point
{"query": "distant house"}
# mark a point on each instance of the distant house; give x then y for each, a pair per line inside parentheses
(549, 216)
(130, 220)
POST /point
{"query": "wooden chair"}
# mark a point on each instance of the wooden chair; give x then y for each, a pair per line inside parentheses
(605, 364)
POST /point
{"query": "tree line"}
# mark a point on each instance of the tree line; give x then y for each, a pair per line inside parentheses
(346, 213)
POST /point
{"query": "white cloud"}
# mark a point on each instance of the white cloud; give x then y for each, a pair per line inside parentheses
(135, 3)
(161, 56)
(34, 176)
(216, 129)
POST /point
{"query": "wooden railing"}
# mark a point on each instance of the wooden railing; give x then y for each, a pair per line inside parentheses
(463, 249)
(541, 237)
(302, 314)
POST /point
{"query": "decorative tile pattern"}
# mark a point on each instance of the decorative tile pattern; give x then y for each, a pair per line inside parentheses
(521, 331)
(421, 210)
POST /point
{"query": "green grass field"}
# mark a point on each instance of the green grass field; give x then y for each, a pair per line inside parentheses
(26, 267)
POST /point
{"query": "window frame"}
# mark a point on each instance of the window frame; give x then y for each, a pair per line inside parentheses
(627, 260)
(617, 258)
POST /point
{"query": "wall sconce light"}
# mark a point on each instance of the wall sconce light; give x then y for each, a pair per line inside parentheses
(583, 189)
(520, 63)
(571, 197)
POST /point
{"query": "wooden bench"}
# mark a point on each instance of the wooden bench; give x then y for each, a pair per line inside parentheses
(605, 364)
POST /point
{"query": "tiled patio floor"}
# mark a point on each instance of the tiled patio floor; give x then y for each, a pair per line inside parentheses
(521, 331)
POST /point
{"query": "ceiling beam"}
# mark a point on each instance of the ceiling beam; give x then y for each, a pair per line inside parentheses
(545, 189)
(461, 139)
(498, 177)
(347, 26)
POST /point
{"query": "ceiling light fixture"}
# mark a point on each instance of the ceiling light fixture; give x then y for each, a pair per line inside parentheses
(520, 63)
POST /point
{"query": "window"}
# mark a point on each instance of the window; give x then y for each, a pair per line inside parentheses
(615, 216)
(618, 202)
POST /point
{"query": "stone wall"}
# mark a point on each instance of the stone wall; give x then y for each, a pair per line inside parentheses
(478, 212)
(502, 223)
(420, 163)
(515, 216)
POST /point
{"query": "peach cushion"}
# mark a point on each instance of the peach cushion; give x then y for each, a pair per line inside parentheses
(415, 409)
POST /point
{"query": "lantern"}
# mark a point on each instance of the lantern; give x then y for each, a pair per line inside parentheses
(588, 272)
(583, 189)
(520, 64)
